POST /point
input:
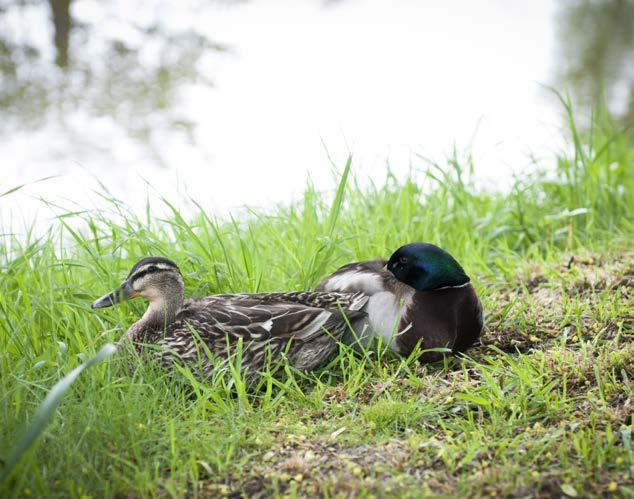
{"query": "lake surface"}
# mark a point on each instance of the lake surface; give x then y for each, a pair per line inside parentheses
(239, 103)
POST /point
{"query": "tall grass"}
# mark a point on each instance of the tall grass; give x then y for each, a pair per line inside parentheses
(126, 428)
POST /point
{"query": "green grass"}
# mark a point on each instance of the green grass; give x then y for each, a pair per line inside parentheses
(542, 406)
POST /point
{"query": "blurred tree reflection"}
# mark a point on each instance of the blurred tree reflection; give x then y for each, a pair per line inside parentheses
(596, 39)
(54, 64)
(60, 10)
(94, 71)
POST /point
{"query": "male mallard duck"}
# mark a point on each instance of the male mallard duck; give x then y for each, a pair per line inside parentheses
(303, 326)
(420, 293)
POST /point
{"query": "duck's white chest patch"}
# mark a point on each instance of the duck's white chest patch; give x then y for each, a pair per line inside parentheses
(385, 312)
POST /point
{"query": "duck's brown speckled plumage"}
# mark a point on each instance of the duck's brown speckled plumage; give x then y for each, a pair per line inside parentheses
(303, 327)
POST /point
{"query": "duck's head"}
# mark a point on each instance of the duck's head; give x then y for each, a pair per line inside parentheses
(155, 278)
(426, 267)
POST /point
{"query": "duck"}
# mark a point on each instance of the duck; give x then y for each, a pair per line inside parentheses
(303, 326)
(419, 297)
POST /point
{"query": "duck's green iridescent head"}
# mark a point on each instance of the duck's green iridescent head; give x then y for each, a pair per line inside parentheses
(426, 267)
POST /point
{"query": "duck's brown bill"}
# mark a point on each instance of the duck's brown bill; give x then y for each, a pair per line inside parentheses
(123, 292)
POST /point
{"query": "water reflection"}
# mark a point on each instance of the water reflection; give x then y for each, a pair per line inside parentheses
(116, 89)
(132, 67)
(62, 57)
(596, 54)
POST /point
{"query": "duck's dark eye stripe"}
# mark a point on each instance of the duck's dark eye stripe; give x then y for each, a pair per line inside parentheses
(150, 270)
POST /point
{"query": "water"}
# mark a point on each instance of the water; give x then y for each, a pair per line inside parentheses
(238, 103)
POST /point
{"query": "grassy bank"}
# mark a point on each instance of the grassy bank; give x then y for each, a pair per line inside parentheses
(543, 405)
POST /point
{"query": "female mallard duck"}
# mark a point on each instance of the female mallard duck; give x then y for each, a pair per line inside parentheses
(302, 326)
(421, 294)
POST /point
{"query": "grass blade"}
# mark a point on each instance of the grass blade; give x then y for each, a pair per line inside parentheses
(47, 408)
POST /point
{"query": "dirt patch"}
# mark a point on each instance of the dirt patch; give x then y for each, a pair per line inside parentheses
(317, 468)
(594, 274)
(534, 313)
(394, 469)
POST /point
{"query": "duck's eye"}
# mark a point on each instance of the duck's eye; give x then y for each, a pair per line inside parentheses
(403, 260)
(152, 268)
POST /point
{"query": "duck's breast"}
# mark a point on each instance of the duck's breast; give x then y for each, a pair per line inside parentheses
(385, 311)
(445, 318)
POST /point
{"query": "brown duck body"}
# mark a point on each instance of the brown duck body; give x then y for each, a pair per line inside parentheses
(449, 317)
(303, 327)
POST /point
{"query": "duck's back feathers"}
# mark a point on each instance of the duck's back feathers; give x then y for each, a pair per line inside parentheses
(366, 277)
(319, 299)
(386, 299)
(306, 325)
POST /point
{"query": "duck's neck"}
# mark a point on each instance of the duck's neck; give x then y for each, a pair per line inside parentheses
(160, 313)
(399, 289)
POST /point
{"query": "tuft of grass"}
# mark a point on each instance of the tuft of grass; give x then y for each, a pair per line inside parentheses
(47, 408)
(542, 406)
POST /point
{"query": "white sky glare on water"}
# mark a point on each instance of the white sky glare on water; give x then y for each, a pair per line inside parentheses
(379, 79)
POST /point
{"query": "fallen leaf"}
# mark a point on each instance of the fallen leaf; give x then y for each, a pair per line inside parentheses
(336, 433)
(569, 490)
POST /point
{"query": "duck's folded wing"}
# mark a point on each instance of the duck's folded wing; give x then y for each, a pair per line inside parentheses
(366, 277)
(317, 299)
(307, 335)
(257, 320)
